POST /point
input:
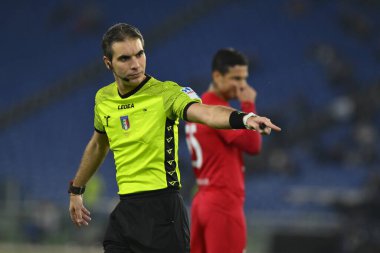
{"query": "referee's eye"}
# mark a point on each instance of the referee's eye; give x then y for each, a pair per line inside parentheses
(140, 53)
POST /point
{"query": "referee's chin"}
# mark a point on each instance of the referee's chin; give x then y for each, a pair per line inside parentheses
(135, 79)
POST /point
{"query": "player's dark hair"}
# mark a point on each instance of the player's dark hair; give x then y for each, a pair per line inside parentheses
(118, 33)
(226, 58)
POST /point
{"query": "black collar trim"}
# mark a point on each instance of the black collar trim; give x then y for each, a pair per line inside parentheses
(130, 93)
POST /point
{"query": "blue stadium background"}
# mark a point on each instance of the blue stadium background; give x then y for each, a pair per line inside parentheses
(315, 66)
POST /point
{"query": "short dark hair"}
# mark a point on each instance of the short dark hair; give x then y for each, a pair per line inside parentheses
(118, 33)
(226, 58)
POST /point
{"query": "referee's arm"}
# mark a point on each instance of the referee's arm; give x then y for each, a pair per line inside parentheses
(212, 116)
(217, 116)
(94, 154)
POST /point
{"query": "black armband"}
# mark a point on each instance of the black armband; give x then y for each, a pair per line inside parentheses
(76, 190)
(236, 120)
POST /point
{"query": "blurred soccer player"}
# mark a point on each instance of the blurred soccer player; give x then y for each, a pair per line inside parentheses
(217, 214)
(137, 118)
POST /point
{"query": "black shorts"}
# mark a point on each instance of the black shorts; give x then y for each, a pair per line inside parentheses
(149, 222)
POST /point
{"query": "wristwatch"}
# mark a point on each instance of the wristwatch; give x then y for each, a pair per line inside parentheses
(76, 190)
(245, 119)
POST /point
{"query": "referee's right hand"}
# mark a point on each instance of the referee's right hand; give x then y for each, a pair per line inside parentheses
(78, 213)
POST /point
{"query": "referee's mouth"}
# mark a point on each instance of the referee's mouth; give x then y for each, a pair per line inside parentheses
(134, 76)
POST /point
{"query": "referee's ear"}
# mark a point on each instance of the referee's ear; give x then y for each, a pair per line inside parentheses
(108, 63)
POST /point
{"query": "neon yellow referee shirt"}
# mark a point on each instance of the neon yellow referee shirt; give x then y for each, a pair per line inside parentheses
(142, 128)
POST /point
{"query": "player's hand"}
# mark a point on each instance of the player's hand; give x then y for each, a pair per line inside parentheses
(262, 125)
(78, 213)
(245, 93)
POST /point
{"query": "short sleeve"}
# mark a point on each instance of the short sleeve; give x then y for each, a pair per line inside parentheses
(184, 97)
(98, 125)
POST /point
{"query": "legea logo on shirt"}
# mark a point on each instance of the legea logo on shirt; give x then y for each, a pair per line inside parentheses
(189, 91)
(124, 122)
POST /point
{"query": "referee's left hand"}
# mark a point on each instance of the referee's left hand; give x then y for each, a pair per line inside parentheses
(78, 213)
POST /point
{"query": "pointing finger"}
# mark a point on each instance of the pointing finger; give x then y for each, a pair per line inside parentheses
(273, 126)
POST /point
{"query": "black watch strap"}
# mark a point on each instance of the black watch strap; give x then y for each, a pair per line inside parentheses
(76, 190)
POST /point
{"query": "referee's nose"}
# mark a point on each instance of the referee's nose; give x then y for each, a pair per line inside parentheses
(134, 63)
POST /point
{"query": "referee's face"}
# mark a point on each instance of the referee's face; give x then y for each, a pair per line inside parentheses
(128, 62)
(227, 84)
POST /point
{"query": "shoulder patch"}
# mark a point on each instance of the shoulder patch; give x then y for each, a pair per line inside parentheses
(189, 91)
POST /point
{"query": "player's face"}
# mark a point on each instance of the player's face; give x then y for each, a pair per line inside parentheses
(129, 61)
(227, 84)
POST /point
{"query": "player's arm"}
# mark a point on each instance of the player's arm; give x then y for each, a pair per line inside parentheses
(247, 141)
(93, 156)
(222, 117)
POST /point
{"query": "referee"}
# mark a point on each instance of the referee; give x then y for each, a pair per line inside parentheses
(137, 118)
